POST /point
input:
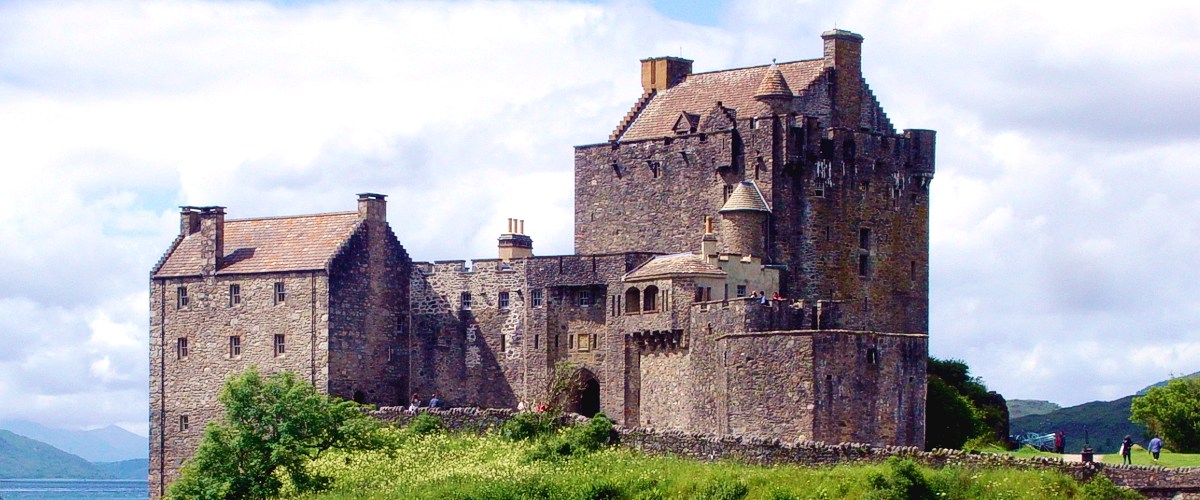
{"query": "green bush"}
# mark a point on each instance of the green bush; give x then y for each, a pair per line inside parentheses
(904, 481)
(425, 423)
(723, 488)
(594, 435)
(1102, 488)
(525, 426)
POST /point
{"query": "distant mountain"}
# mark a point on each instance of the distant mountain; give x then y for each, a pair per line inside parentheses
(1160, 384)
(1018, 408)
(108, 444)
(1105, 422)
(24, 458)
(138, 468)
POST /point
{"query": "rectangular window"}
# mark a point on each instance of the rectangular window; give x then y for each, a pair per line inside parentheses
(741, 290)
(556, 340)
(181, 348)
(464, 301)
(864, 239)
(235, 346)
(585, 298)
(184, 424)
(912, 271)
(726, 192)
(536, 296)
(537, 341)
(503, 343)
(699, 294)
(181, 297)
(570, 341)
(235, 295)
(819, 192)
(592, 339)
(583, 341)
(503, 300)
(280, 344)
(864, 265)
(280, 293)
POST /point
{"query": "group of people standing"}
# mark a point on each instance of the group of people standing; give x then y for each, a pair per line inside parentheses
(415, 403)
(1154, 447)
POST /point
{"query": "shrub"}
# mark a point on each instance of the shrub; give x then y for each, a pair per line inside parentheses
(425, 423)
(1102, 488)
(524, 426)
(904, 481)
(594, 435)
(723, 488)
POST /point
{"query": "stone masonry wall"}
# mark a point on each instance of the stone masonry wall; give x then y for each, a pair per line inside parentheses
(188, 386)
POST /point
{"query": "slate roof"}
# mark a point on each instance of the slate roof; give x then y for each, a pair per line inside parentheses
(773, 84)
(269, 244)
(699, 92)
(745, 197)
(663, 266)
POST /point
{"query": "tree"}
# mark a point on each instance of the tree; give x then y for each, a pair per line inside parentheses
(271, 428)
(945, 415)
(1171, 411)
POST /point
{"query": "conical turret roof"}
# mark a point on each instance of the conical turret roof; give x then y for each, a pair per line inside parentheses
(746, 197)
(773, 84)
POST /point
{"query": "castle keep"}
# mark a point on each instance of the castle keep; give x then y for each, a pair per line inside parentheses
(785, 179)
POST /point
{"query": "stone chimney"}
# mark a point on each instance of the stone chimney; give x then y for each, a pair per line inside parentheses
(514, 244)
(661, 73)
(212, 232)
(189, 221)
(843, 54)
(372, 206)
(708, 244)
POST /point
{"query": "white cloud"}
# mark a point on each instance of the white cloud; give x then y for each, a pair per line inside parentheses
(1065, 211)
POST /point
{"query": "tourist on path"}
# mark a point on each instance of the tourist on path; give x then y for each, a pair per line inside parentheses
(434, 402)
(414, 404)
(1059, 442)
(1155, 446)
(1127, 451)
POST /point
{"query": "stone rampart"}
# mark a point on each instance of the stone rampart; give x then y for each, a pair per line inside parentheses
(1155, 482)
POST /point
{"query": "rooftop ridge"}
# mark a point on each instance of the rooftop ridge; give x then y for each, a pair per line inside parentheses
(277, 217)
(756, 66)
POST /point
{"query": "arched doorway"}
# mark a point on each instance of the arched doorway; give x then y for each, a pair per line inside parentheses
(589, 399)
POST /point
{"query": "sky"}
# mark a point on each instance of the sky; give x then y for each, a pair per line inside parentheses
(1065, 209)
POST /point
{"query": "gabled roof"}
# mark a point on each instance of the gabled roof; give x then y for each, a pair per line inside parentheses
(271, 244)
(667, 266)
(746, 197)
(734, 88)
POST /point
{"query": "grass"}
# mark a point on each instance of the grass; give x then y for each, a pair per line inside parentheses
(441, 465)
(1165, 459)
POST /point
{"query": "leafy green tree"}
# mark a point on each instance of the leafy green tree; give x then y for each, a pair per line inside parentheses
(1173, 412)
(271, 428)
(950, 419)
(990, 412)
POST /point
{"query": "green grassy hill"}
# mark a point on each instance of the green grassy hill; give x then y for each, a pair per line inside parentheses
(21, 457)
(1105, 422)
(1018, 408)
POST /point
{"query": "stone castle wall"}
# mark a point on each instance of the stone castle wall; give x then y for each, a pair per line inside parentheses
(188, 386)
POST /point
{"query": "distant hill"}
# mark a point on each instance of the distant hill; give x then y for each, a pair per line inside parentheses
(1105, 422)
(25, 458)
(108, 444)
(1018, 408)
(1160, 384)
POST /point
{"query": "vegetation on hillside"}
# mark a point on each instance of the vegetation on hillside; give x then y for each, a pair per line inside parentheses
(272, 428)
(958, 407)
(1018, 408)
(1172, 412)
(24, 458)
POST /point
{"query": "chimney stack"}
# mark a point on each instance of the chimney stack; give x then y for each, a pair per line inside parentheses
(212, 244)
(843, 54)
(514, 244)
(372, 206)
(189, 221)
(661, 73)
(708, 244)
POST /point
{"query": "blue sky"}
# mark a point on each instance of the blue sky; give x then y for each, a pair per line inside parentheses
(1065, 210)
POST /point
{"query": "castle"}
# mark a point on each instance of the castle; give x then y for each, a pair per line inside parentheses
(785, 179)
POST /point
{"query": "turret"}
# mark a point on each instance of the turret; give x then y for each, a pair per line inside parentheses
(744, 221)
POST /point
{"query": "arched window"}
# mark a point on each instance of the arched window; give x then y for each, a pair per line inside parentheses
(650, 299)
(633, 300)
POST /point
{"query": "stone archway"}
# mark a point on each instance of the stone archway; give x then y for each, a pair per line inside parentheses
(586, 397)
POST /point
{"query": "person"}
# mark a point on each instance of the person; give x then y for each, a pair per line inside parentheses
(414, 404)
(434, 402)
(1127, 451)
(762, 297)
(521, 406)
(777, 296)
(1058, 442)
(1155, 446)
(541, 408)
